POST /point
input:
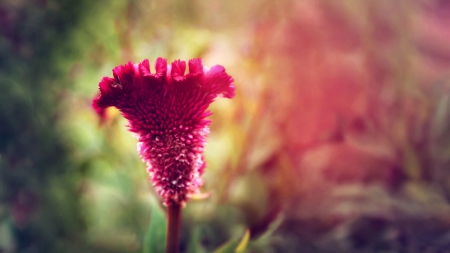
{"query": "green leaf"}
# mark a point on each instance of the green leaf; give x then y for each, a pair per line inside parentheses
(155, 238)
(244, 241)
(229, 247)
(194, 242)
(235, 246)
(272, 228)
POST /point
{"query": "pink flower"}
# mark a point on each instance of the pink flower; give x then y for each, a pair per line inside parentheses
(166, 111)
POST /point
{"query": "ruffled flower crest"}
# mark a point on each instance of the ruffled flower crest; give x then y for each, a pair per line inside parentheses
(167, 111)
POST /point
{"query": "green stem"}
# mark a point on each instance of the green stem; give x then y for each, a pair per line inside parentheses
(173, 227)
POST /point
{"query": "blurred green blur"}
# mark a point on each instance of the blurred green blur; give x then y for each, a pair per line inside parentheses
(338, 139)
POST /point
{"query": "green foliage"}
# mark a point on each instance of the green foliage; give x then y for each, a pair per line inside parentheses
(37, 170)
(229, 247)
(194, 245)
(155, 238)
(235, 246)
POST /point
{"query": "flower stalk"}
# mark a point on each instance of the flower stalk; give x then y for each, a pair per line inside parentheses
(173, 227)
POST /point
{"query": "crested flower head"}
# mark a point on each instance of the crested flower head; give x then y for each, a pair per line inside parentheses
(166, 111)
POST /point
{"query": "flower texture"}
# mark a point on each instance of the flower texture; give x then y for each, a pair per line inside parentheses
(166, 111)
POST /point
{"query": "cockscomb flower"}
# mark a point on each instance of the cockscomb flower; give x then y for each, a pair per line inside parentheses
(166, 111)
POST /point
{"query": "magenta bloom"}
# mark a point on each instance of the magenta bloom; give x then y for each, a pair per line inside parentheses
(166, 111)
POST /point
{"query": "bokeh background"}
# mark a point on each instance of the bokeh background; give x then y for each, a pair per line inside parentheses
(338, 139)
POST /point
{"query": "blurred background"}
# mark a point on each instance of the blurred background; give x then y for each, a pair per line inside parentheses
(338, 139)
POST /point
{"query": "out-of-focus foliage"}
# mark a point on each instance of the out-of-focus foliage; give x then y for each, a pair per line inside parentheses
(156, 234)
(337, 141)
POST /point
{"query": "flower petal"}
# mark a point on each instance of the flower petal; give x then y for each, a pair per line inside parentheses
(144, 68)
(108, 88)
(217, 81)
(178, 69)
(161, 67)
(125, 75)
(196, 67)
